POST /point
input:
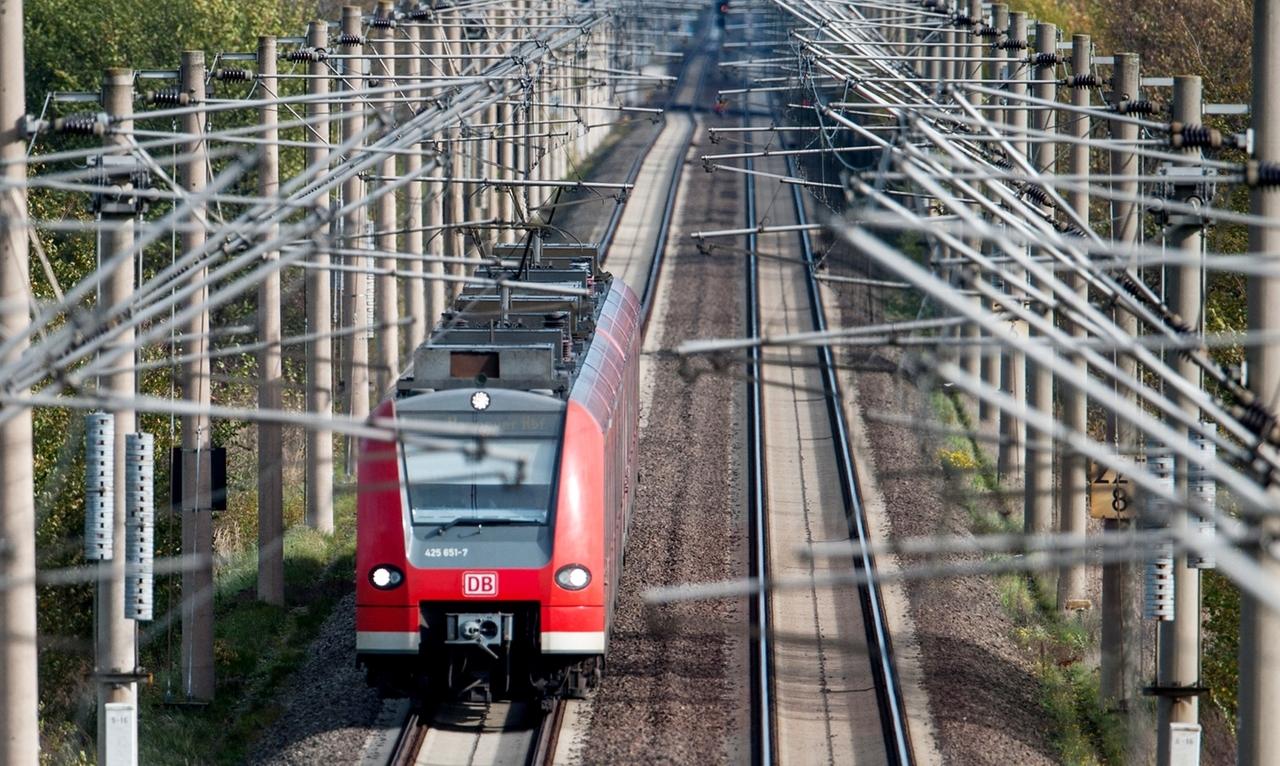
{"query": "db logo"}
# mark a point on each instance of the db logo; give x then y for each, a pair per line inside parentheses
(479, 583)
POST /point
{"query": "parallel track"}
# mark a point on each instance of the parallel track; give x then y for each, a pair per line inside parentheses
(880, 647)
(889, 691)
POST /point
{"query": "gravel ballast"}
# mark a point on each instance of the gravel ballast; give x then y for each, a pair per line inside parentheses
(327, 711)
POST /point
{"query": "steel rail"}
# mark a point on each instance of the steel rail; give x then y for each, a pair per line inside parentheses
(412, 733)
(762, 740)
(543, 752)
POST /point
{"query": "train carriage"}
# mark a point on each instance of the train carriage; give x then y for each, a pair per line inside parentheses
(490, 532)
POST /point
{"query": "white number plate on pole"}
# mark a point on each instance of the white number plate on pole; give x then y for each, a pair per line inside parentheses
(1184, 744)
(122, 734)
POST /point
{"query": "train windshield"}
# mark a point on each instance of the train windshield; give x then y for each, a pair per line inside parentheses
(510, 481)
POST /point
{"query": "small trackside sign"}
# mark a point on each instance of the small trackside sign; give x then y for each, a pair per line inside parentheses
(480, 584)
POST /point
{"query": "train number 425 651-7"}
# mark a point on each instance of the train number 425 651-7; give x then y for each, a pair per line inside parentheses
(433, 553)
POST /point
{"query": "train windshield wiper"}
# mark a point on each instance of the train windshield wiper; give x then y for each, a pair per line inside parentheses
(473, 521)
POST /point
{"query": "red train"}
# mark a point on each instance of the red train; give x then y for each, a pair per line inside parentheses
(489, 565)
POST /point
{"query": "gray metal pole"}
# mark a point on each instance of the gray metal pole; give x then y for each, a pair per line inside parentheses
(1259, 696)
(19, 729)
(355, 307)
(1038, 487)
(319, 474)
(1120, 620)
(1073, 510)
(197, 513)
(386, 302)
(415, 289)
(1013, 362)
(115, 635)
(1179, 639)
(270, 363)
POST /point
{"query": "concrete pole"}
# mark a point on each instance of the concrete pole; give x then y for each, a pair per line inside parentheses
(319, 475)
(115, 634)
(1038, 486)
(197, 513)
(19, 730)
(522, 116)
(436, 239)
(1073, 510)
(971, 353)
(386, 302)
(415, 289)
(558, 146)
(992, 364)
(270, 363)
(947, 68)
(503, 146)
(974, 50)
(1125, 84)
(455, 193)
(941, 253)
(489, 146)
(932, 67)
(986, 361)
(1179, 639)
(541, 114)
(999, 21)
(1259, 695)
(1012, 362)
(355, 309)
(1120, 619)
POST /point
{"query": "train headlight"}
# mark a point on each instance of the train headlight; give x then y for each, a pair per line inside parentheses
(385, 577)
(573, 577)
(480, 401)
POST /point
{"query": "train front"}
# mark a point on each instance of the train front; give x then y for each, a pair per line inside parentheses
(458, 580)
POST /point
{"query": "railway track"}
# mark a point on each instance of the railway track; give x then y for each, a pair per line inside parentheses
(807, 652)
(502, 734)
(892, 713)
(511, 734)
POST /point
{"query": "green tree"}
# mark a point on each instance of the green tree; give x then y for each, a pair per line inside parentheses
(68, 45)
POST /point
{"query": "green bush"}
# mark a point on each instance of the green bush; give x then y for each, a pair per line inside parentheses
(1219, 668)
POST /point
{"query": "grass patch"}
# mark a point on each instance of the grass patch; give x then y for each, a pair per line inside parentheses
(256, 648)
(1082, 729)
(905, 305)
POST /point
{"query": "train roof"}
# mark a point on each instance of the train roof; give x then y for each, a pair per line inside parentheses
(526, 322)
